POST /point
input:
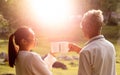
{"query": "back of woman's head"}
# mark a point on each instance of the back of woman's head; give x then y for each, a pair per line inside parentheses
(22, 33)
(14, 39)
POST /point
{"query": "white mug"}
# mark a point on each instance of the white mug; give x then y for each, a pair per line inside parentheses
(55, 47)
(61, 47)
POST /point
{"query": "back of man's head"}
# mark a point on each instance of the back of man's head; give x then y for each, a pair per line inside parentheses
(92, 22)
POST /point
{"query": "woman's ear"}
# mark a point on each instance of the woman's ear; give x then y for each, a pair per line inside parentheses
(23, 41)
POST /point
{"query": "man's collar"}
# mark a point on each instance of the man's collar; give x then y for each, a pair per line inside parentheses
(95, 38)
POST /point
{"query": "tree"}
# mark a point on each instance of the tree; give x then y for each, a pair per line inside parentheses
(17, 12)
(4, 30)
(107, 6)
(7, 10)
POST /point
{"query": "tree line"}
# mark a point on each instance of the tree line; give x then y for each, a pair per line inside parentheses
(13, 14)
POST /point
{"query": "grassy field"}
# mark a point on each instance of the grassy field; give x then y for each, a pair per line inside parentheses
(43, 47)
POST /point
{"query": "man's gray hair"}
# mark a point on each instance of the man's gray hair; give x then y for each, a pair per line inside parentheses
(93, 17)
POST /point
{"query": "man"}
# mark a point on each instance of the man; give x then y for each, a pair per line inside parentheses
(97, 57)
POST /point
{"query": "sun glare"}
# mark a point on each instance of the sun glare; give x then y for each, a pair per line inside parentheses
(52, 18)
(51, 11)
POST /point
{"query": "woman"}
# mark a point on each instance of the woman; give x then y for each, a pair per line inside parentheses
(25, 62)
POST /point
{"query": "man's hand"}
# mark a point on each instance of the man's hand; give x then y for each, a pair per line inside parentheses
(74, 47)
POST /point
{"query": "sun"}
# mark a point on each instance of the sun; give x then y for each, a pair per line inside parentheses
(51, 11)
(52, 17)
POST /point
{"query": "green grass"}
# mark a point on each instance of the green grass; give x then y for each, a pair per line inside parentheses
(72, 70)
(43, 47)
(5, 69)
(3, 46)
(118, 68)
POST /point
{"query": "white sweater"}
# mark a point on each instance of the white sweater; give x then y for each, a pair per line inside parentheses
(30, 63)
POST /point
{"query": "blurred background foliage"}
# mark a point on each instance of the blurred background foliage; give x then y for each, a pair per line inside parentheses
(15, 13)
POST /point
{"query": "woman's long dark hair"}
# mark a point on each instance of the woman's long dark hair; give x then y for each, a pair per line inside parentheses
(14, 39)
(12, 52)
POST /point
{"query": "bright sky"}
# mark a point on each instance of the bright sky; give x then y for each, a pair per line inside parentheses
(51, 12)
(54, 15)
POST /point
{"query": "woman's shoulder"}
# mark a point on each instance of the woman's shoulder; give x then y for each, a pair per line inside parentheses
(29, 55)
(35, 57)
(33, 54)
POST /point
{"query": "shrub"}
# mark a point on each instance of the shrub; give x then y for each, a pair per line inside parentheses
(111, 33)
(112, 22)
